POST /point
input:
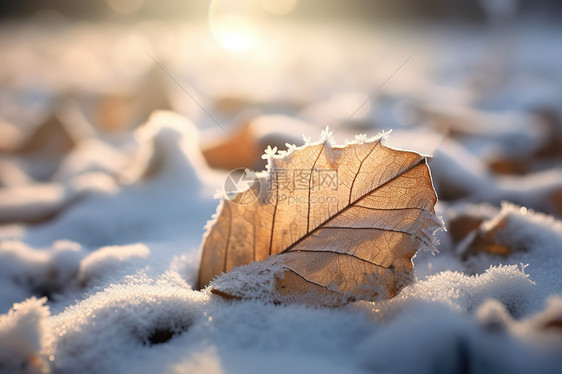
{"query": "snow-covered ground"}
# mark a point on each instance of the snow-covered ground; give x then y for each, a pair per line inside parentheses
(106, 187)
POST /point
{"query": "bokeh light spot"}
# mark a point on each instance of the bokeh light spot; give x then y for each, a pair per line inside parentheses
(235, 24)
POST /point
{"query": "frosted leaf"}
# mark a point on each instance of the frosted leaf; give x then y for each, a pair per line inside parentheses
(345, 231)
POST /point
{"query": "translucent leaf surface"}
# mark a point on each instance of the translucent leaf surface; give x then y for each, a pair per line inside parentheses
(342, 223)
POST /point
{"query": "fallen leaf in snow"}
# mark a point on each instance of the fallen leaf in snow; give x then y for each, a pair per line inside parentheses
(460, 227)
(465, 219)
(501, 235)
(346, 235)
(510, 165)
(252, 134)
(237, 151)
(116, 111)
(488, 240)
(556, 198)
(51, 137)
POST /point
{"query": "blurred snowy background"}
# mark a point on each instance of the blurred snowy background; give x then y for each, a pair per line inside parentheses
(120, 119)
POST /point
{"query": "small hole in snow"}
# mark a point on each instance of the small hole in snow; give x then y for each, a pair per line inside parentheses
(160, 336)
(164, 334)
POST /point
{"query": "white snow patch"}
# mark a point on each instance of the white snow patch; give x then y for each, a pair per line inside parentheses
(26, 338)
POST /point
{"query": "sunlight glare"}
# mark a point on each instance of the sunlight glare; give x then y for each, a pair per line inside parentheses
(235, 33)
(235, 24)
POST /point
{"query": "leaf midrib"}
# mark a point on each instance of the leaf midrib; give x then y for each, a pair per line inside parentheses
(422, 160)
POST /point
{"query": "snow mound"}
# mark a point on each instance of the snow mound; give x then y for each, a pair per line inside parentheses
(441, 340)
(118, 321)
(168, 176)
(509, 284)
(110, 260)
(25, 271)
(161, 326)
(25, 338)
(534, 239)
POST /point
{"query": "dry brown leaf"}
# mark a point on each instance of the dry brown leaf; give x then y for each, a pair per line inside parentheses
(556, 198)
(468, 219)
(510, 166)
(343, 223)
(226, 153)
(51, 137)
(490, 238)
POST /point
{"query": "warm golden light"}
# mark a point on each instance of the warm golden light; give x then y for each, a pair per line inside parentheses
(235, 24)
(278, 7)
(235, 33)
